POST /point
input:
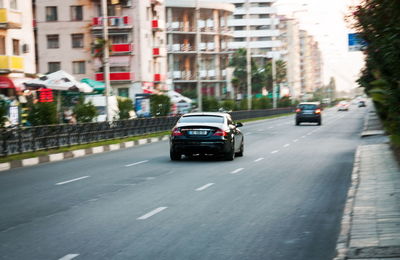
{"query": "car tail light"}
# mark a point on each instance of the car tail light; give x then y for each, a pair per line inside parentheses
(318, 111)
(298, 110)
(176, 132)
(220, 132)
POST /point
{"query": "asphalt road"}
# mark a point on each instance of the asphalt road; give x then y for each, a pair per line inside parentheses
(282, 201)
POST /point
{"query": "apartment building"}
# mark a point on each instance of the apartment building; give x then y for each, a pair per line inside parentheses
(261, 17)
(70, 33)
(290, 51)
(198, 49)
(311, 63)
(17, 49)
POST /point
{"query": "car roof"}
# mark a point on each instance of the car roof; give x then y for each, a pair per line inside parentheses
(207, 114)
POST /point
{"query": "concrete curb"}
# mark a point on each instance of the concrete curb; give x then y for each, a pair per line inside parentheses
(78, 153)
(342, 244)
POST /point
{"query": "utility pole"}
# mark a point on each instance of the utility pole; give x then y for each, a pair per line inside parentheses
(106, 57)
(274, 87)
(248, 56)
(198, 59)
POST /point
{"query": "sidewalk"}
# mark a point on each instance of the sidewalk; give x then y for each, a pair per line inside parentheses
(371, 222)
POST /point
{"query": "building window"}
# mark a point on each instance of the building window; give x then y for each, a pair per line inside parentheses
(16, 49)
(53, 41)
(14, 4)
(240, 28)
(76, 13)
(2, 45)
(77, 40)
(53, 66)
(119, 38)
(78, 67)
(238, 16)
(263, 16)
(51, 13)
(240, 39)
(123, 92)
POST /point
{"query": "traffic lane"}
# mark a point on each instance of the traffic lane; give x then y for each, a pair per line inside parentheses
(112, 207)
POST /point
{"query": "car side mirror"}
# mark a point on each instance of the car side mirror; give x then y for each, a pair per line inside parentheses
(238, 124)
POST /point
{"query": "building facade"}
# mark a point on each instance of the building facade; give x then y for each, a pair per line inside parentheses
(261, 18)
(17, 48)
(70, 33)
(198, 49)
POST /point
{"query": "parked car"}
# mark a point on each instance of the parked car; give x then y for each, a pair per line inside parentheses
(206, 133)
(361, 103)
(343, 106)
(308, 112)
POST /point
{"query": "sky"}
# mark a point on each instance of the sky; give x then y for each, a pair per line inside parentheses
(324, 19)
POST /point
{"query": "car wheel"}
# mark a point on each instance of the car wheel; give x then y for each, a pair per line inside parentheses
(297, 122)
(319, 122)
(174, 156)
(229, 156)
(240, 153)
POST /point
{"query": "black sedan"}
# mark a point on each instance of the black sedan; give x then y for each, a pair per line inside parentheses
(206, 133)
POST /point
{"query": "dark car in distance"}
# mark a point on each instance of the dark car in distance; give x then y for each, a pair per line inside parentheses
(206, 133)
(308, 112)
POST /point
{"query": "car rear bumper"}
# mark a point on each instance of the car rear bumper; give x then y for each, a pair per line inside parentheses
(191, 147)
(308, 118)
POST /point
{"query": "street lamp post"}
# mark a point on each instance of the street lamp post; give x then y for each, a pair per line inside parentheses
(106, 57)
(248, 56)
(198, 60)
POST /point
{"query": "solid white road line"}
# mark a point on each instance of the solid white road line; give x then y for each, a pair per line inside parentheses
(69, 257)
(132, 164)
(286, 145)
(77, 179)
(259, 159)
(204, 187)
(237, 170)
(275, 151)
(152, 213)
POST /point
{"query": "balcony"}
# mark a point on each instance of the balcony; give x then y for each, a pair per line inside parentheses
(158, 77)
(11, 63)
(114, 22)
(159, 52)
(116, 76)
(157, 25)
(10, 19)
(121, 48)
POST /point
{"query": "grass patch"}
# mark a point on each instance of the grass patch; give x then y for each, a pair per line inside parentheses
(108, 142)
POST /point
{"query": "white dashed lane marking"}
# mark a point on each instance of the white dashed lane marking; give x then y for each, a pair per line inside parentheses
(259, 159)
(77, 179)
(136, 163)
(152, 213)
(69, 257)
(205, 187)
(237, 170)
(275, 151)
(286, 145)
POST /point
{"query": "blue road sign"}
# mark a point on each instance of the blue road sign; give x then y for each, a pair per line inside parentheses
(355, 42)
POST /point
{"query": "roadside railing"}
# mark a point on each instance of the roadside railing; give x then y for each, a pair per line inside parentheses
(30, 139)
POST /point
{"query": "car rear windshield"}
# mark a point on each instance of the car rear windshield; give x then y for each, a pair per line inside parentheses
(307, 106)
(202, 119)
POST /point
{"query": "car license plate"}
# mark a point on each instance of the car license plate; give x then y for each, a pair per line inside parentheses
(197, 132)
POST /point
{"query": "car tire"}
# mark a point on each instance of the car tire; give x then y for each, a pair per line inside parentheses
(319, 122)
(297, 122)
(240, 153)
(174, 156)
(229, 156)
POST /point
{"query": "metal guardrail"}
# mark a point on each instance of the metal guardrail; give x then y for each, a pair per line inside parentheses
(30, 139)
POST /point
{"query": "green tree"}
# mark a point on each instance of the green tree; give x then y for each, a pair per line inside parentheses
(43, 113)
(85, 112)
(377, 22)
(3, 112)
(160, 105)
(125, 105)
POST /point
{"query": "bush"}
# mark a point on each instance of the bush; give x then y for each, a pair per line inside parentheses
(285, 102)
(160, 105)
(43, 113)
(243, 104)
(125, 105)
(210, 104)
(262, 103)
(85, 112)
(228, 105)
(3, 112)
